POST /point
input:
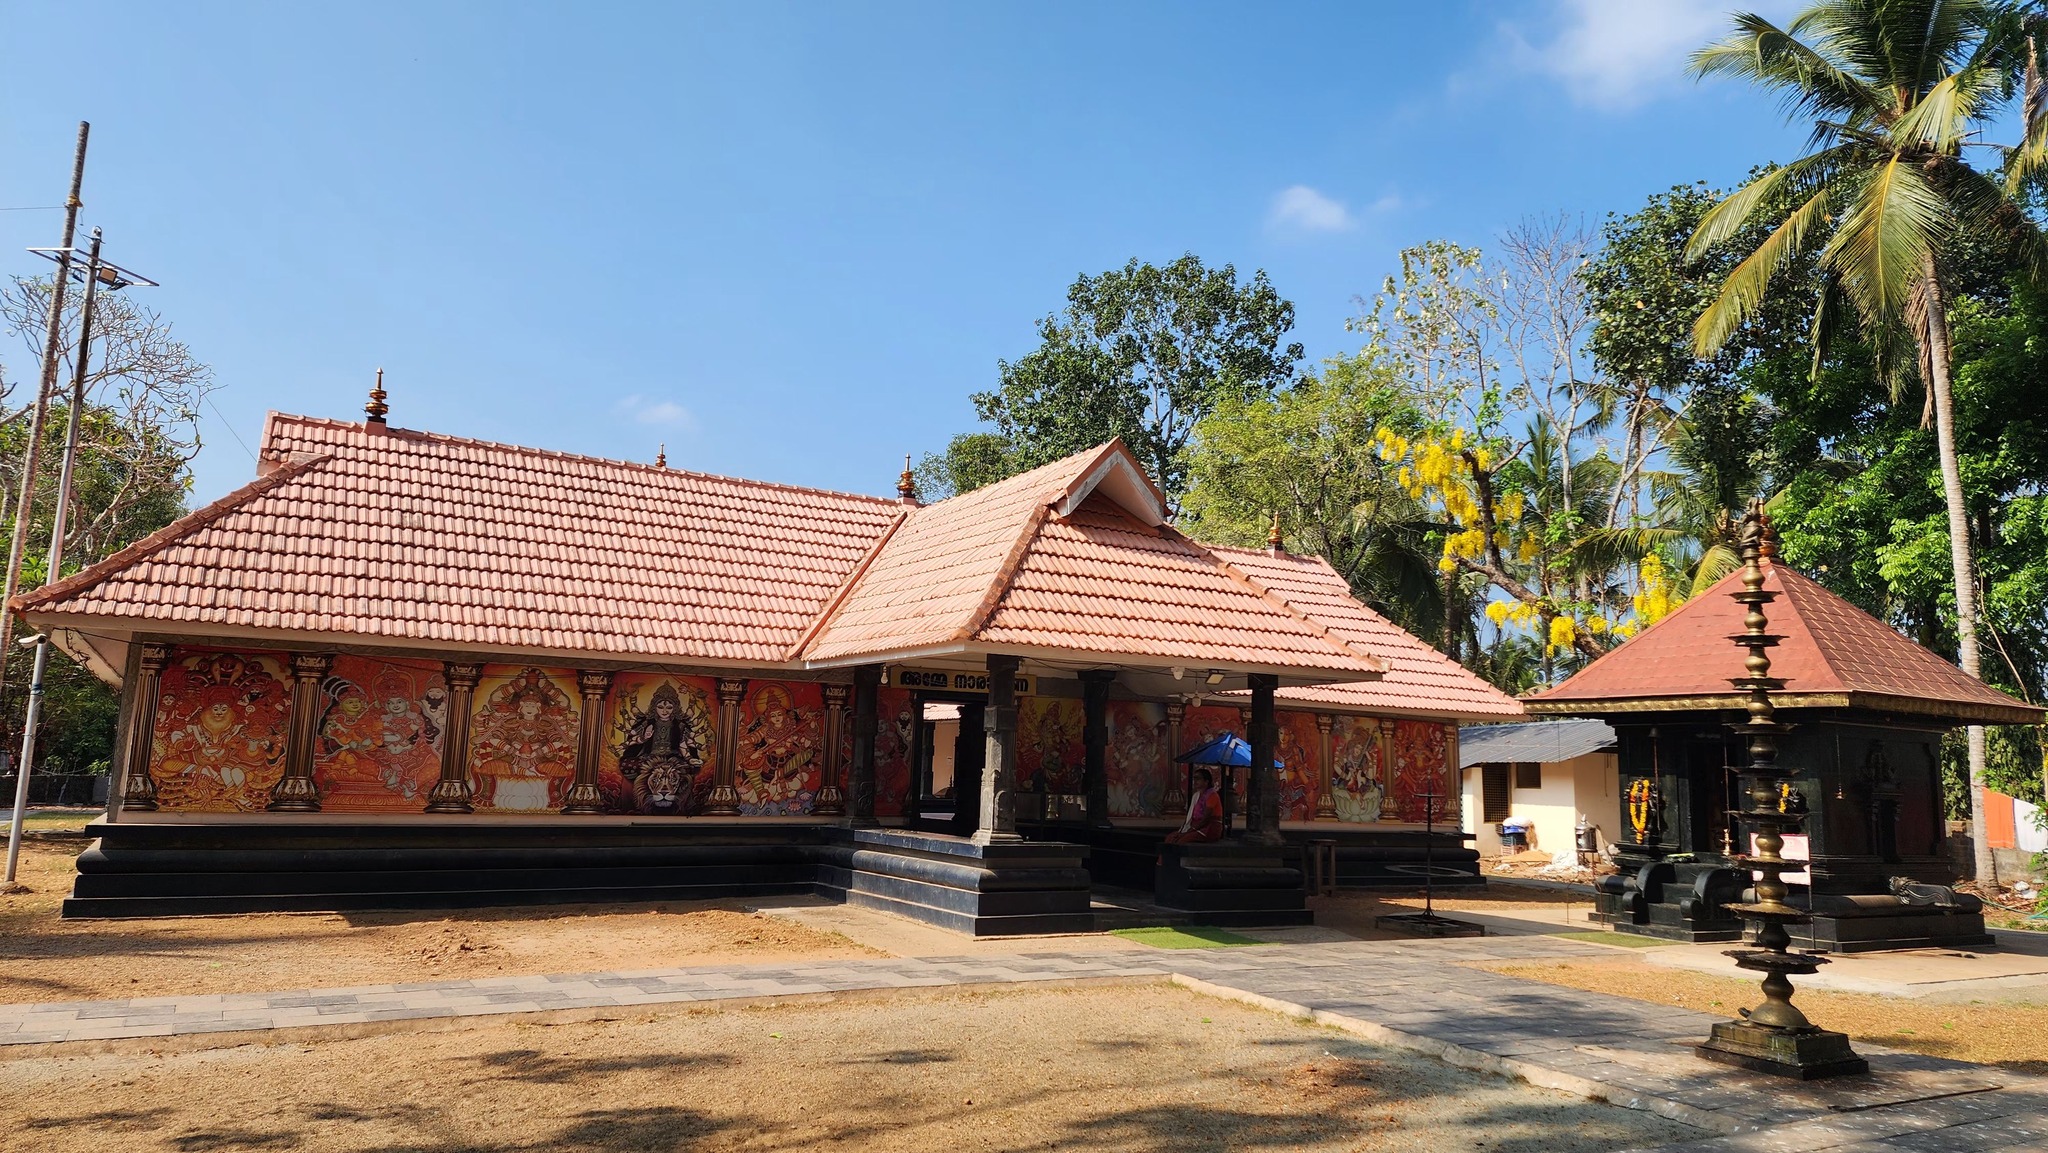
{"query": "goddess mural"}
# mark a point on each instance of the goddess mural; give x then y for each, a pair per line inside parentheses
(662, 753)
(525, 750)
(778, 754)
(220, 735)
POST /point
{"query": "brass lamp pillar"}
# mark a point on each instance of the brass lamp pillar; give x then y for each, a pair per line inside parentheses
(1775, 1037)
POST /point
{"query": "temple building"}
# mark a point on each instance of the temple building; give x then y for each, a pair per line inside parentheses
(405, 669)
(1867, 710)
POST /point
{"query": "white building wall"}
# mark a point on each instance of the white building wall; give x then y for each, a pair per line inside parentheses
(1583, 787)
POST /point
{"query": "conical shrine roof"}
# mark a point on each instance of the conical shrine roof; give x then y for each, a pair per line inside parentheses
(1833, 655)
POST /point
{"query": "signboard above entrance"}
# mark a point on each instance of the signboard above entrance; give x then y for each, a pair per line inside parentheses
(953, 681)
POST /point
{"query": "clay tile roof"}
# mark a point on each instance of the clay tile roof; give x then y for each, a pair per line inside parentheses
(435, 538)
(1419, 681)
(1003, 567)
(1833, 654)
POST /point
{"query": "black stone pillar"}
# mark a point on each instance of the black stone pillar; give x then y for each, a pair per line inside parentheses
(867, 691)
(1095, 743)
(1262, 825)
(970, 747)
(999, 765)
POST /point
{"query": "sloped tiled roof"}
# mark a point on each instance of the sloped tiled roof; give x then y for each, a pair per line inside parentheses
(423, 537)
(1546, 742)
(1419, 679)
(1833, 653)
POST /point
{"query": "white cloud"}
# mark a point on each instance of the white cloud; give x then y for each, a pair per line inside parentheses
(1304, 209)
(649, 410)
(1619, 53)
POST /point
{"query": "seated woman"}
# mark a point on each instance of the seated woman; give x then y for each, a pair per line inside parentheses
(1205, 814)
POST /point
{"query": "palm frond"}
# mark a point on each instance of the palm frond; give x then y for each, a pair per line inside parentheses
(1716, 562)
(1811, 83)
(1743, 292)
(1881, 248)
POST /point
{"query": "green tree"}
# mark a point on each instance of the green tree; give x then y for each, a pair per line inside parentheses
(971, 460)
(1895, 90)
(1306, 455)
(1142, 352)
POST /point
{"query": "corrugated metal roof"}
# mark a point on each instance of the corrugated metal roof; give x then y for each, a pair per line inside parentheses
(1543, 741)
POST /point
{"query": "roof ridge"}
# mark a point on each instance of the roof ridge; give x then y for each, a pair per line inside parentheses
(846, 587)
(276, 417)
(1006, 575)
(1287, 606)
(170, 534)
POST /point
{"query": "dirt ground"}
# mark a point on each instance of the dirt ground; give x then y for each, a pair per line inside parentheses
(1995, 1034)
(1120, 1068)
(44, 958)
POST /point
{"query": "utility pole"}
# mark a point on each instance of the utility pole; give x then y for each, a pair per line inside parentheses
(32, 459)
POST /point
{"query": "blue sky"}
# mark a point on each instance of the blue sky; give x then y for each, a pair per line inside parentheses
(789, 240)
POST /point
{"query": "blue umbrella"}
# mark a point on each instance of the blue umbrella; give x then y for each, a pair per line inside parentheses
(1228, 749)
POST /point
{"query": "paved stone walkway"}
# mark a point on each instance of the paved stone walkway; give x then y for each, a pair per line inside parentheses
(1627, 1052)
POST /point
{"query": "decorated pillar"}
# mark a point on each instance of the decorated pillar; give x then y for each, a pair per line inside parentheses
(829, 802)
(451, 794)
(1263, 805)
(592, 685)
(1251, 782)
(295, 792)
(1326, 763)
(999, 767)
(140, 790)
(867, 691)
(1176, 776)
(725, 800)
(1387, 768)
(1095, 743)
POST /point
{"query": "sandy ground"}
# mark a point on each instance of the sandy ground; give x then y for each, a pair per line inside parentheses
(2010, 1035)
(44, 958)
(1122, 1068)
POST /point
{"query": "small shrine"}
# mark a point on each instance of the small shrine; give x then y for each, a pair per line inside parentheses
(1864, 711)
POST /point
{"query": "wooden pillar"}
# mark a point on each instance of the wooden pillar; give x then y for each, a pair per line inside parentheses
(1387, 771)
(725, 800)
(593, 686)
(1095, 743)
(139, 792)
(1263, 805)
(451, 794)
(295, 792)
(867, 691)
(1179, 778)
(1326, 764)
(999, 765)
(830, 801)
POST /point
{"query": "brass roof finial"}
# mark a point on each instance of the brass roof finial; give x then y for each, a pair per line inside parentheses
(661, 456)
(1274, 541)
(377, 408)
(1768, 546)
(906, 485)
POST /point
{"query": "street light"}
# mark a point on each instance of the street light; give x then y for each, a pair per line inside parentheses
(97, 274)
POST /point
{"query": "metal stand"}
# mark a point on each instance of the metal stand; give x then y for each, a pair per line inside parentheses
(1427, 923)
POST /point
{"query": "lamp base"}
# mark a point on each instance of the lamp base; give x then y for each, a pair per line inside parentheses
(1802, 1054)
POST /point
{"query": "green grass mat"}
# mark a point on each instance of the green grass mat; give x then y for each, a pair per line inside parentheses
(1188, 937)
(1625, 940)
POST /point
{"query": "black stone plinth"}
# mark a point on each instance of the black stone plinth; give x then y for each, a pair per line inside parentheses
(1428, 925)
(1232, 883)
(1802, 1054)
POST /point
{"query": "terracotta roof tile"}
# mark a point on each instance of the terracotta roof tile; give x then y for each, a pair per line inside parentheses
(1419, 681)
(1830, 648)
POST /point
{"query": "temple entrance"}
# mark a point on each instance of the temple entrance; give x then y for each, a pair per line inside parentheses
(950, 745)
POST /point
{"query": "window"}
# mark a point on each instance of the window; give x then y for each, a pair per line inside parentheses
(1528, 775)
(1493, 787)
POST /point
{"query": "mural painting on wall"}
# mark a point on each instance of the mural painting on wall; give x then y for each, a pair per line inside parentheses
(1299, 749)
(377, 747)
(219, 738)
(896, 719)
(1422, 765)
(1049, 752)
(1356, 775)
(1137, 762)
(782, 748)
(660, 743)
(523, 739)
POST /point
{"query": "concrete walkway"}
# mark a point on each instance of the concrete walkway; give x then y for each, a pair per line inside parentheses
(1627, 1052)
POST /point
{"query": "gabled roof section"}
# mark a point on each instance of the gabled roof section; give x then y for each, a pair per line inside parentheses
(1546, 742)
(1420, 681)
(1833, 655)
(1072, 556)
(395, 534)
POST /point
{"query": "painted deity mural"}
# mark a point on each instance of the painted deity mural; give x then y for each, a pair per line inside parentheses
(781, 760)
(896, 725)
(219, 739)
(1300, 751)
(1204, 723)
(1422, 765)
(378, 744)
(659, 745)
(522, 751)
(1357, 775)
(1137, 762)
(1049, 752)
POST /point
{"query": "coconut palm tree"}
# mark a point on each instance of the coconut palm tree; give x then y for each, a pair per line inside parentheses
(1896, 90)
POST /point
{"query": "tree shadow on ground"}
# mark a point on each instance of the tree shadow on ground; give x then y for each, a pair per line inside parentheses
(904, 1057)
(533, 1065)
